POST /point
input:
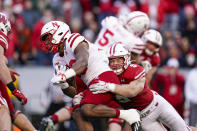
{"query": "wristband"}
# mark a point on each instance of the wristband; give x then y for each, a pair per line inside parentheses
(111, 87)
(64, 85)
(11, 86)
(70, 73)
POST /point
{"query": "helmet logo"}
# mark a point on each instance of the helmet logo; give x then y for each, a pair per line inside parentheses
(55, 24)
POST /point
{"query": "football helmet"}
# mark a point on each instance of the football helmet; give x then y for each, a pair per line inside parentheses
(5, 25)
(118, 51)
(52, 34)
(135, 22)
(154, 37)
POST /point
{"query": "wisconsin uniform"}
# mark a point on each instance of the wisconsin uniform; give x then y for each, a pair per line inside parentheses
(153, 108)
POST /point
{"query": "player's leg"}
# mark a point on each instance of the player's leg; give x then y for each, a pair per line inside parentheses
(23, 123)
(115, 124)
(82, 122)
(169, 116)
(61, 115)
(5, 119)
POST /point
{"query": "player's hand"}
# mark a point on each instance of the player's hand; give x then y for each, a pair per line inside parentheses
(102, 87)
(19, 95)
(77, 98)
(13, 74)
(58, 78)
(147, 66)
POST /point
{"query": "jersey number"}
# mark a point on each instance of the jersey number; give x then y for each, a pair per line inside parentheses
(105, 39)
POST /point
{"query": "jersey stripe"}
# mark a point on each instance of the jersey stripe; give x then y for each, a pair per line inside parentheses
(71, 37)
(74, 40)
(142, 74)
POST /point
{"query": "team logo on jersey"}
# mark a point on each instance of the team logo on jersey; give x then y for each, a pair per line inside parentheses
(122, 80)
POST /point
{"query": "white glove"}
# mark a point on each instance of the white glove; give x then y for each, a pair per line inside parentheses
(60, 77)
(147, 66)
(77, 98)
(102, 87)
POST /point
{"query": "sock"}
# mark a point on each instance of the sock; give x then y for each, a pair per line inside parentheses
(54, 118)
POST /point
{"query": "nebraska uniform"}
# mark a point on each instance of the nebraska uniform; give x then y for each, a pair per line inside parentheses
(113, 32)
(153, 59)
(153, 108)
(97, 69)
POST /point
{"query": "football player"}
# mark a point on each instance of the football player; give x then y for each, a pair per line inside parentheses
(150, 58)
(6, 107)
(127, 29)
(87, 60)
(133, 92)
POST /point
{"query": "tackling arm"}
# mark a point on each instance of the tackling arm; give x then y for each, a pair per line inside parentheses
(130, 90)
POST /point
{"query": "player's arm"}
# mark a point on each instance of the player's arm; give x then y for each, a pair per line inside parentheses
(69, 89)
(5, 73)
(129, 90)
(6, 78)
(81, 54)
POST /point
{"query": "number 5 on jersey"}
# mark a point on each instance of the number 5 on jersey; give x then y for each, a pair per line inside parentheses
(105, 39)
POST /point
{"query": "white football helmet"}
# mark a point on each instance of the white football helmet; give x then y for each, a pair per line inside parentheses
(59, 32)
(117, 51)
(154, 37)
(5, 25)
(135, 22)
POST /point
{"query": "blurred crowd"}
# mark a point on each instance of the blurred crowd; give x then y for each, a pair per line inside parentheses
(175, 19)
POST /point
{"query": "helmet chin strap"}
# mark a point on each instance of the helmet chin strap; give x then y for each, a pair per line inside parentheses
(148, 52)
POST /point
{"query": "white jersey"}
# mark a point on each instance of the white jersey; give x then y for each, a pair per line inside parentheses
(97, 61)
(113, 32)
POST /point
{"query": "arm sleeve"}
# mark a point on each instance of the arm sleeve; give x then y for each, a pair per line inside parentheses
(73, 41)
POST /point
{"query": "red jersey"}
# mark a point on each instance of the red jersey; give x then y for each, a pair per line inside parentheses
(154, 59)
(144, 98)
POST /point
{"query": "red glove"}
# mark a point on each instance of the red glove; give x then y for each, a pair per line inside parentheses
(19, 95)
(13, 75)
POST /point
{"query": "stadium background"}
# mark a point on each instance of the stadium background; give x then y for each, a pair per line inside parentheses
(175, 19)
